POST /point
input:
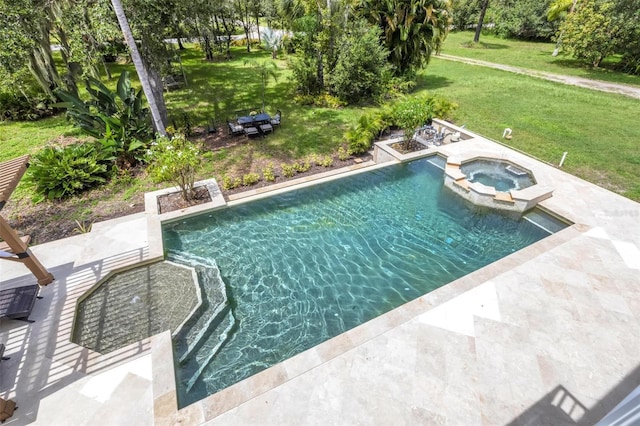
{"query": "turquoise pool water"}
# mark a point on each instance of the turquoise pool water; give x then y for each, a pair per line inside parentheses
(307, 265)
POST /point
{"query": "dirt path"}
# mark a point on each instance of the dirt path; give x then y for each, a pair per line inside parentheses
(621, 89)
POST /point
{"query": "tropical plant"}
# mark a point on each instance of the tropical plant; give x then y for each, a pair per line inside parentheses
(558, 11)
(58, 172)
(175, 160)
(361, 134)
(118, 116)
(412, 29)
(272, 41)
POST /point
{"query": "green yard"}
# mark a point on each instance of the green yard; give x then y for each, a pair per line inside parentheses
(526, 54)
(598, 130)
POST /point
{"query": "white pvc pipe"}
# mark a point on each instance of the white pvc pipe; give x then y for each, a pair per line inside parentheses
(563, 157)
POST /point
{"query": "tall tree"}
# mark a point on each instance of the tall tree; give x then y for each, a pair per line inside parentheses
(26, 39)
(158, 120)
(483, 11)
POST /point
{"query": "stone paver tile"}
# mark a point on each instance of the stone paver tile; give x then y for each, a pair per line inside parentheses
(613, 302)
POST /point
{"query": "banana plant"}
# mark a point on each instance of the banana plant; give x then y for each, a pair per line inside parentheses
(118, 116)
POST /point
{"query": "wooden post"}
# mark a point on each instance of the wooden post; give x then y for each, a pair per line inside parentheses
(23, 254)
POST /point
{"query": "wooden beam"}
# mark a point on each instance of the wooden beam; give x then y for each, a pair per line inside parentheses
(23, 254)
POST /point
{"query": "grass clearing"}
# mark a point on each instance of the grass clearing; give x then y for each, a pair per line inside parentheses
(532, 55)
(598, 130)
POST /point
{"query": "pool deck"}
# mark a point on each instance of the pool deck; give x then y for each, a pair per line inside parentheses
(548, 335)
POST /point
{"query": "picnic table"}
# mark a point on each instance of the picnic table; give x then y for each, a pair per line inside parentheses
(260, 121)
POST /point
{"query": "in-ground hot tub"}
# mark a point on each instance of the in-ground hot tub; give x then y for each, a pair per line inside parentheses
(500, 184)
(502, 175)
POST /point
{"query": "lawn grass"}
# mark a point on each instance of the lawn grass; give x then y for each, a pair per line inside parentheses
(598, 130)
(532, 55)
(19, 138)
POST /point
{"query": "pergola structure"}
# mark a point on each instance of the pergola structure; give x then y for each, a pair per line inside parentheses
(14, 248)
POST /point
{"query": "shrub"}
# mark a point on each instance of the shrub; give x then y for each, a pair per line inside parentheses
(361, 135)
(326, 161)
(343, 154)
(175, 160)
(20, 108)
(361, 66)
(267, 173)
(303, 69)
(303, 166)
(323, 100)
(62, 172)
(412, 112)
(288, 170)
(230, 183)
(250, 179)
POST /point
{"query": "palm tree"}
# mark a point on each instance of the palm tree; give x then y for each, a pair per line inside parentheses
(272, 41)
(158, 124)
(412, 30)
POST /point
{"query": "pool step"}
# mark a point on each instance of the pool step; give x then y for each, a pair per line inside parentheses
(210, 346)
(208, 317)
(198, 334)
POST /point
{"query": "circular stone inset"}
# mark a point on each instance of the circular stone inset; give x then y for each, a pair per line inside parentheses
(135, 304)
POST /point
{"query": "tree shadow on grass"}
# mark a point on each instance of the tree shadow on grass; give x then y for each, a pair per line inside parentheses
(431, 82)
(483, 45)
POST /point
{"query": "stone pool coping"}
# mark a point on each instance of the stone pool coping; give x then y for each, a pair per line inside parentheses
(486, 377)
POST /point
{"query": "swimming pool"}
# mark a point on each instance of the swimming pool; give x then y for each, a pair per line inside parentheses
(307, 265)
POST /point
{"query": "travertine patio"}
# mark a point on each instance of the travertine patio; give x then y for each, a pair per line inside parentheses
(547, 335)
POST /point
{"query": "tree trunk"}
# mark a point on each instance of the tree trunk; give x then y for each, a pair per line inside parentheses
(106, 68)
(74, 70)
(41, 77)
(258, 26)
(158, 119)
(208, 50)
(483, 10)
(227, 30)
